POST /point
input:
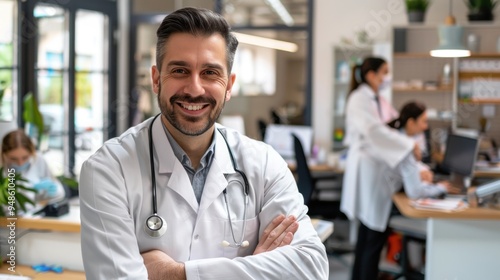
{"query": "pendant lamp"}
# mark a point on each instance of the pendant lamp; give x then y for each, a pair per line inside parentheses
(450, 39)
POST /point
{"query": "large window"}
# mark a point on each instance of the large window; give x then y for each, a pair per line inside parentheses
(8, 62)
(66, 49)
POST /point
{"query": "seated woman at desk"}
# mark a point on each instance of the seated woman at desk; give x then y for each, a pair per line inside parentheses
(18, 152)
(412, 121)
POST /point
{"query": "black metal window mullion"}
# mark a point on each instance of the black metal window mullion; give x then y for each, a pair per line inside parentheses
(70, 96)
(27, 32)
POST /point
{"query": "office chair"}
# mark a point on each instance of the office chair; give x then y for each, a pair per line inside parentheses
(262, 125)
(307, 184)
(276, 117)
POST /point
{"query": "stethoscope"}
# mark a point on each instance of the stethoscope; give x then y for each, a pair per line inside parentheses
(156, 226)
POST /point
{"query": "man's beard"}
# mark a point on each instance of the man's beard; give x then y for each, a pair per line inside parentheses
(169, 114)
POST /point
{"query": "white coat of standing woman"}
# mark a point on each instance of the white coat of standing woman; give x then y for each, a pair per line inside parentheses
(370, 143)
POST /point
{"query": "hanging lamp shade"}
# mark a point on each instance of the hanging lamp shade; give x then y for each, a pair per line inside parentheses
(450, 38)
(450, 42)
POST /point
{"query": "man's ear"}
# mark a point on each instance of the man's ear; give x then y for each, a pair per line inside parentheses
(155, 79)
(229, 86)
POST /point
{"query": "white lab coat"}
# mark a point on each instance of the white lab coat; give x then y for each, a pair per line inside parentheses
(116, 200)
(371, 143)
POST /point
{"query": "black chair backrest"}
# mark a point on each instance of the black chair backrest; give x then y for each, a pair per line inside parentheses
(262, 128)
(305, 180)
(275, 117)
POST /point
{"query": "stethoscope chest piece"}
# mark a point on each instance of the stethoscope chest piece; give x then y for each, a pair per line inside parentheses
(155, 226)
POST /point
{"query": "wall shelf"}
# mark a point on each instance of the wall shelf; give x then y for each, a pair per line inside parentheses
(416, 90)
(480, 101)
(412, 55)
(471, 75)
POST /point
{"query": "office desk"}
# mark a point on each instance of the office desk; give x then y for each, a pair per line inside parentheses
(28, 271)
(318, 168)
(460, 245)
(53, 241)
(494, 174)
(66, 223)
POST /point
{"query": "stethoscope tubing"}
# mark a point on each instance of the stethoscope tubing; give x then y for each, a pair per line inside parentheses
(159, 231)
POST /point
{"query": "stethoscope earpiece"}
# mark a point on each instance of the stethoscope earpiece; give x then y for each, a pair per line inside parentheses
(243, 244)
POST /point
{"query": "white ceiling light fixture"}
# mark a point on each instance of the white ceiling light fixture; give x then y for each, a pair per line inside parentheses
(281, 11)
(266, 42)
(450, 39)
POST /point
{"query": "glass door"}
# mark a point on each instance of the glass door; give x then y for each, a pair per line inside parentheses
(74, 67)
(8, 62)
(51, 72)
(91, 83)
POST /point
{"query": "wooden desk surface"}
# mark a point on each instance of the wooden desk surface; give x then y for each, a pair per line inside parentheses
(486, 174)
(403, 204)
(22, 270)
(318, 168)
(66, 223)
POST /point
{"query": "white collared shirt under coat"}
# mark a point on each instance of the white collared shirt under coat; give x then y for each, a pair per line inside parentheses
(116, 200)
(371, 144)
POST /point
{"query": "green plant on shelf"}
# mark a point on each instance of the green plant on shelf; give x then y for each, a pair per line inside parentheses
(481, 10)
(417, 5)
(481, 5)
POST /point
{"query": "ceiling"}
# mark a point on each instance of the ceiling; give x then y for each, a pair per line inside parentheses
(255, 17)
(237, 12)
(261, 13)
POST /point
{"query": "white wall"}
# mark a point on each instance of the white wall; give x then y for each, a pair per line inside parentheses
(334, 19)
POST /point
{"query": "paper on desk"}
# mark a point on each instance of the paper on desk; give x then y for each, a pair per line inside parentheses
(323, 228)
(447, 204)
(13, 277)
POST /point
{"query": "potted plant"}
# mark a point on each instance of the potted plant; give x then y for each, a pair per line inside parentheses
(481, 10)
(12, 198)
(416, 9)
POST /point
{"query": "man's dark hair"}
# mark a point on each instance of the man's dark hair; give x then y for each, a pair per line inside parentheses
(195, 21)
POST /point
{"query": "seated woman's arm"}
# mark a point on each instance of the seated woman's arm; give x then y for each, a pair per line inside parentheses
(414, 187)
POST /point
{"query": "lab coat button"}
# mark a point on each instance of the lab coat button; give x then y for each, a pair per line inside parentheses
(196, 237)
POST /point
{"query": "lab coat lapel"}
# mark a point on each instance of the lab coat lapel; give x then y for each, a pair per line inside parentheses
(168, 164)
(180, 183)
(216, 181)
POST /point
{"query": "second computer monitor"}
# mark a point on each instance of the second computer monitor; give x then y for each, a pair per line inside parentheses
(460, 155)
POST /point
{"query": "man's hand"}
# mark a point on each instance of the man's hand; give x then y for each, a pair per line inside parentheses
(279, 233)
(161, 266)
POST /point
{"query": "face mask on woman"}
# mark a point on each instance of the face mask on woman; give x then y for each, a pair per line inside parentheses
(386, 83)
(21, 168)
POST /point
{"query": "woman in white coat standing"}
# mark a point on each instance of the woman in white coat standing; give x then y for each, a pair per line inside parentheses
(370, 143)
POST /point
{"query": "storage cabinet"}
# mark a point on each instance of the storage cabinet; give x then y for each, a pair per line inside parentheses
(468, 97)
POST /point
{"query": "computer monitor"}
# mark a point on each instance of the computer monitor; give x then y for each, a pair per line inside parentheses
(280, 138)
(460, 157)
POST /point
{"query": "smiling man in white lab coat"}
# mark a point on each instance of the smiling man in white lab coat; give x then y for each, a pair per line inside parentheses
(218, 226)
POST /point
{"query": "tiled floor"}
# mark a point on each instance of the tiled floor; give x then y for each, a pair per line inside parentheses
(338, 268)
(340, 265)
